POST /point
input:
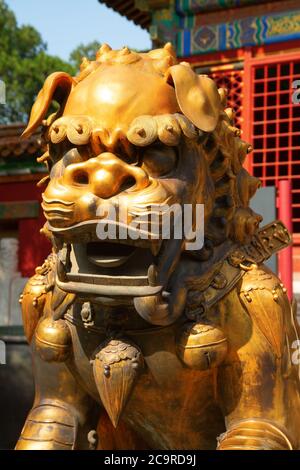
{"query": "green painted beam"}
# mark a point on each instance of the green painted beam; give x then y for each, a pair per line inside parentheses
(19, 210)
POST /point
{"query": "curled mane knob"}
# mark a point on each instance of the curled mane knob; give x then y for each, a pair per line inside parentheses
(79, 130)
(53, 340)
(169, 131)
(58, 130)
(142, 131)
(201, 345)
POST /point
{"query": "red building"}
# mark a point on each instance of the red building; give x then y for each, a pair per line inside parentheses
(20, 212)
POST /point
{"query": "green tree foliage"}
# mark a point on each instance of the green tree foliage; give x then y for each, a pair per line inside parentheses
(88, 51)
(24, 65)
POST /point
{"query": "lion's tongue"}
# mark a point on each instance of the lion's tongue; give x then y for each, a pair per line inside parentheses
(108, 255)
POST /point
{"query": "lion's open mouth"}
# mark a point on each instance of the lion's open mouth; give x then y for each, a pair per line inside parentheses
(108, 269)
(112, 268)
(109, 263)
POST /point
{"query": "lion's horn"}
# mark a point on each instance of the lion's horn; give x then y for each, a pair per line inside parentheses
(56, 87)
(197, 96)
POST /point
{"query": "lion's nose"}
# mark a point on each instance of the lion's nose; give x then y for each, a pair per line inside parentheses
(105, 176)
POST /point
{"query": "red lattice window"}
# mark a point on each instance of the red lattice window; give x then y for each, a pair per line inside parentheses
(274, 126)
(232, 80)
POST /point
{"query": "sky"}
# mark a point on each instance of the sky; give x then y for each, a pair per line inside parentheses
(64, 24)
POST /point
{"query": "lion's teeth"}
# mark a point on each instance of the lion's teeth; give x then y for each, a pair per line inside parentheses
(61, 271)
(155, 247)
(152, 275)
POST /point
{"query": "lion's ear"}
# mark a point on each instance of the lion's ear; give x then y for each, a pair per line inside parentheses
(56, 87)
(197, 96)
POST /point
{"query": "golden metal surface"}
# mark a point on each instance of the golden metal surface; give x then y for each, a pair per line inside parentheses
(142, 343)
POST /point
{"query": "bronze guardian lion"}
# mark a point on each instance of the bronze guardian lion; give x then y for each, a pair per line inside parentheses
(141, 343)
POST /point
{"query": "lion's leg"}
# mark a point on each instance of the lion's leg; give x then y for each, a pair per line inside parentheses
(62, 416)
(258, 382)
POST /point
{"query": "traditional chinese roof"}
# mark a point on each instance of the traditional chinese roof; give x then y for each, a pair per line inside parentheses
(18, 156)
(11, 145)
(129, 9)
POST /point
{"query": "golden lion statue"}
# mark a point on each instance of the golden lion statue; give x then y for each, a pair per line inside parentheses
(148, 341)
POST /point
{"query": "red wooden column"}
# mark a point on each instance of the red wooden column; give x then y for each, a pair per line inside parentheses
(33, 246)
(285, 257)
(247, 118)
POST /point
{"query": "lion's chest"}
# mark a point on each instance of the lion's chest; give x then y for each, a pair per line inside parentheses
(170, 405)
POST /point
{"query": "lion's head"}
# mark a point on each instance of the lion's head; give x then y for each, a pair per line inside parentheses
(138, 131)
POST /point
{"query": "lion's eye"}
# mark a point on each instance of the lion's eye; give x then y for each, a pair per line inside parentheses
(66, 152)
(72, 155)
(57, 151)
(75, 156)
(159, 160)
